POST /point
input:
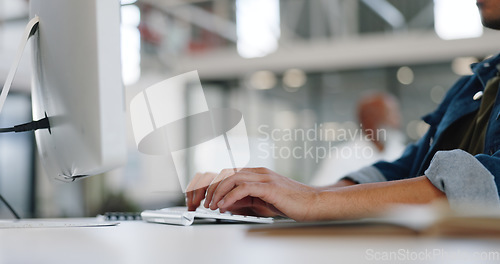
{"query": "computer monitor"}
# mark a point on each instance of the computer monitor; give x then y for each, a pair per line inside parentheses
(77, 84)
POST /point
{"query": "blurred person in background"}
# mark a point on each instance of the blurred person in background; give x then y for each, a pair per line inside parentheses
(378, 138)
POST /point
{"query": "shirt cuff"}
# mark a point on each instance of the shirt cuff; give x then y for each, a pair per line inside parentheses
(366, 175)
(465, 181)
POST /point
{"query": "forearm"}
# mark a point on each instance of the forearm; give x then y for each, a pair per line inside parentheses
(363, 200)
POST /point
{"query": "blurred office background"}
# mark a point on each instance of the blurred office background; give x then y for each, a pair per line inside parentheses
(285, 64)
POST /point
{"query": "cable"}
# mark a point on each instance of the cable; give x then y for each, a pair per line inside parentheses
(10, 207)
(31, 126)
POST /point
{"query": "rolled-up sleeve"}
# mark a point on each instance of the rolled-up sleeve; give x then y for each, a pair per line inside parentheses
(464, 180)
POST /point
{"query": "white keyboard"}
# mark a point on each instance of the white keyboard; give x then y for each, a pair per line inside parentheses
(181, 216)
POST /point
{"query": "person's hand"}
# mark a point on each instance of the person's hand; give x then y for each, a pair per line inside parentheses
(257, 191)
(197, 188)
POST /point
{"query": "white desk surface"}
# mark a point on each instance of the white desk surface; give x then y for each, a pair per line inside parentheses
(140, 242)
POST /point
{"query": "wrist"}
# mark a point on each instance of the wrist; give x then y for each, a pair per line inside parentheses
(325, 205)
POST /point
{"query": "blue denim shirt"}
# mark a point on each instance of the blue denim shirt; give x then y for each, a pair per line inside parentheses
(465, 179)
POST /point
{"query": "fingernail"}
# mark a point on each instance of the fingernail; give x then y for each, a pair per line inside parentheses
(220, 203)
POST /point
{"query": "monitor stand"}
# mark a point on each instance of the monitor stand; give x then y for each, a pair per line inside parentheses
(29, 31)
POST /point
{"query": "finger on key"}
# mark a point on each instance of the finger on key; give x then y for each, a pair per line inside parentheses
(225, 173)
